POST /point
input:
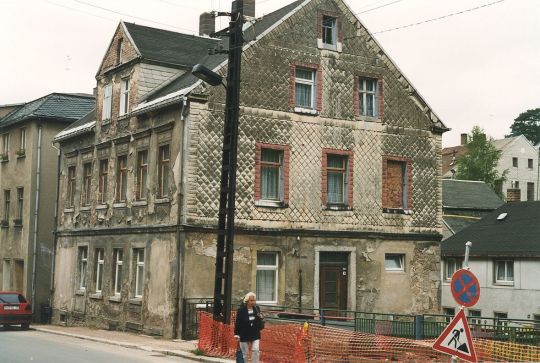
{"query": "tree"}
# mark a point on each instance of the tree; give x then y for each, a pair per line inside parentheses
(528, 125)
(480, 160)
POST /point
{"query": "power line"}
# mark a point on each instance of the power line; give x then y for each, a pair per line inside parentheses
(78, 10)
(378, 7)
(440, 17)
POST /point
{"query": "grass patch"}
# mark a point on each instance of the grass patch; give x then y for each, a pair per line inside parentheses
(197, 351)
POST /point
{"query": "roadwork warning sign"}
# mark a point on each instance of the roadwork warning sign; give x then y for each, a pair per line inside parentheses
(456, 339)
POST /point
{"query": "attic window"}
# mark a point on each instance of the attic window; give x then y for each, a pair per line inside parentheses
(502, 216)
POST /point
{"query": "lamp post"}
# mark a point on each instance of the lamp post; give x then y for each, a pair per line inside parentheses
(225, 233)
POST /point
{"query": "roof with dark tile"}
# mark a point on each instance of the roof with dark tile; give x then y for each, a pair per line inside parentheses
(468, 194)
(512, 236)
(169, 47)
(64, 107)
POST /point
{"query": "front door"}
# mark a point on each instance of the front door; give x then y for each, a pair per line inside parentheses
(333, 278)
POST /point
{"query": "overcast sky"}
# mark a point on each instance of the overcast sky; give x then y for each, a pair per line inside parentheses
(476, 62)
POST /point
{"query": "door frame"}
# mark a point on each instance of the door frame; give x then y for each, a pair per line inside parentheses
(351, 278)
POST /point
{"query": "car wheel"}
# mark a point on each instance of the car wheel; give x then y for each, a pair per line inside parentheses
(25, 326)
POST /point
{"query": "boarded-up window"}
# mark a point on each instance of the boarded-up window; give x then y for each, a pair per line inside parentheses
(396, 184)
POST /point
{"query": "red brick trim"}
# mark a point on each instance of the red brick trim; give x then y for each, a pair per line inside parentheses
(318, 84)
(385, 178)
(350, 176)
(380, 100)
(286, 162)
(339, 23)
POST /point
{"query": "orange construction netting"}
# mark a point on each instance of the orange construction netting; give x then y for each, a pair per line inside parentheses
(315, 343)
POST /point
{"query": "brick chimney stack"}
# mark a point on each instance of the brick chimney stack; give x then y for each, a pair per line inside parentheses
(513, 195)
(463, 139)
(249, 8)
(207, 24)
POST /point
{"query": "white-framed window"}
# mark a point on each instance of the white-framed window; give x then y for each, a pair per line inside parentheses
(367, 96)
(7, 204)
(118, 255)
(121, 178)
(164, 159)
(107, 102)
(394, 262)
(22, 139)
(474, 316)
(337, 181)
(100, 263)
(500, 318)
(5, 146)
(138, 254)
(272, 175)
(267, 277)
(142, 174)
(124, 97)
(451, 265)
(305, 88)
(20, 204)
(504, 271)
(329, 31)
(83, 265)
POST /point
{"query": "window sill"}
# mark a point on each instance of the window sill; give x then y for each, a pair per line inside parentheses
(337, 208)
(504, 283)
(338, 47)
(80, 292)
(115, 298)
(397, 211)
(17, 224)
(4, 161)
(96, 296)
(136, 301)
(306, 111)
(271, 204)
(366, 118)
(102, 206)
(21, 156)
(85, 209)
(162, 200)
(139, 203)
(394, 271)
(69, 210)
(119, 205)
(4, 226)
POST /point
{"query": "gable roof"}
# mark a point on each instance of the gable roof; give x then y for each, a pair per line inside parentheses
(169, 47)
(515, 235)
(254, 31)
(65, 107)
(467, 194)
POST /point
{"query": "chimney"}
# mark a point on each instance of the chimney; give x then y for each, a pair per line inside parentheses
(207, 24)
(463, 139)
(513, 195)
(249, 8)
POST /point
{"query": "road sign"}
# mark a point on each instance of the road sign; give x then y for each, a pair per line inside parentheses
(465, 287)
(456, 339)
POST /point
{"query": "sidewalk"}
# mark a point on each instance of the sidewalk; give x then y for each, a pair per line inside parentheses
(178, 348)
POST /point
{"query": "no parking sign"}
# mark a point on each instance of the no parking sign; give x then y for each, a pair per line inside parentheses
(465, 287)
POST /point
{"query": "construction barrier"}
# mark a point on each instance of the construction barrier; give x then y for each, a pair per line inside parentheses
(285, 342)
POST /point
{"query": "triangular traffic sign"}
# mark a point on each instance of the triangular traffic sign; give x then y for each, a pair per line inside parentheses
(456, 339)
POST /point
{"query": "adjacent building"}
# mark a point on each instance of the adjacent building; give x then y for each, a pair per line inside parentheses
(505, 257)
(338, 200)
(28, 182)
(519, 158)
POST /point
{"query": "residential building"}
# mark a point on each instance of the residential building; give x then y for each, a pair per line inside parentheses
(465, 202)
(338, 201)
(518, 156)
(28, 168)
(505, 257)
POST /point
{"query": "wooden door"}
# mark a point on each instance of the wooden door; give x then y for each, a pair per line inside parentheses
(333, 287)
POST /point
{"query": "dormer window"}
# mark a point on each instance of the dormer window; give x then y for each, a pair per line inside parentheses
(124, 97)
(107, 102)
(329, 31)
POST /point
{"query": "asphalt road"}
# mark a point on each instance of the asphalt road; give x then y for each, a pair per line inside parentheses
(18, 346)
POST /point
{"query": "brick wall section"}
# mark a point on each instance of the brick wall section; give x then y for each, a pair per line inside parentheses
(350, 174)
(318, 84)
(111, 58)
(392, 177)
(286, 162)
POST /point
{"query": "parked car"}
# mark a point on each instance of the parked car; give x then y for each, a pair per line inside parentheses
(15, 310)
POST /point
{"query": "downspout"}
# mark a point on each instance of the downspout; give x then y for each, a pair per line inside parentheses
(55, 231)
(36, 215)
(180, 234)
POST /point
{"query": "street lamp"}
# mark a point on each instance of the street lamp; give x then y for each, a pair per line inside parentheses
(227, 190)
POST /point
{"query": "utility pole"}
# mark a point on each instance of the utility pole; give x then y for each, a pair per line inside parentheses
(227, 191)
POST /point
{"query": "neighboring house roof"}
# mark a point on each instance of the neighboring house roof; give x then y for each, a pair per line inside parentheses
(83, 125)
(512, 236)
(55, 106)
(449, 157)
(169, 47)
(253, 31)
(467, 194)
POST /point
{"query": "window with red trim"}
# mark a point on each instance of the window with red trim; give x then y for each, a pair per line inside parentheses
(337, 179)
(272, 174)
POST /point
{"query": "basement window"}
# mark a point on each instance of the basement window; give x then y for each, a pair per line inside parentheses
(394, 262)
